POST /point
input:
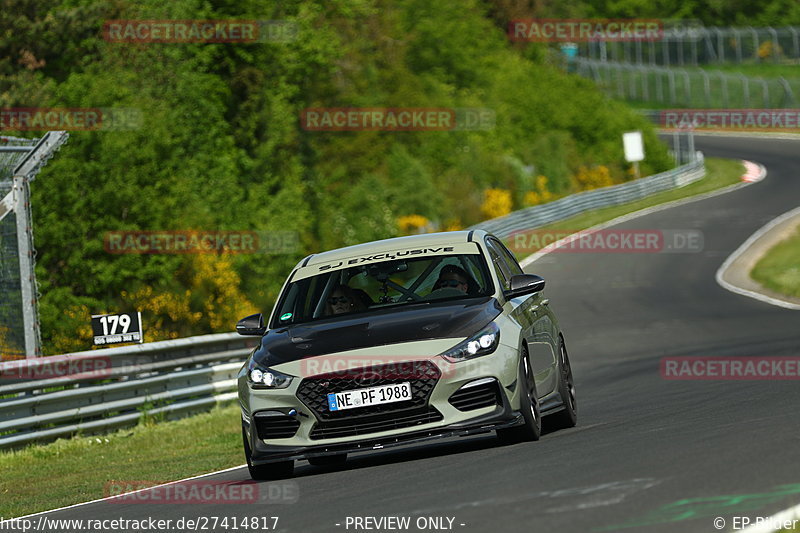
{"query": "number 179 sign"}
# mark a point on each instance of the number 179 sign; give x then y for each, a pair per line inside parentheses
(115, 329)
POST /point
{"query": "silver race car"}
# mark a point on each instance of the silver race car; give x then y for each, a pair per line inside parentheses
(400, 341)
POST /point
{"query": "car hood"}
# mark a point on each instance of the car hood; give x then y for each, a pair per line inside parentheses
(440, 320)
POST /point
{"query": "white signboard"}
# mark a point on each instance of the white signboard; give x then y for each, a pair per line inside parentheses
(634, 146)
(115, 329)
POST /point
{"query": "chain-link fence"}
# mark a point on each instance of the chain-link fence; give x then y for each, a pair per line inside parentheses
(694, 46)
(20, 161)
(688, 87)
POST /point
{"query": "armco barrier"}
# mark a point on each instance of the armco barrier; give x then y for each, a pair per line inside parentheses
(160, 378)
(541, 215)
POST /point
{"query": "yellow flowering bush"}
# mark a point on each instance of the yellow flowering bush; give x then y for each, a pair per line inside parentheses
(768, 49)
(496, 203)
(540, 194)
(409, 224)
(213, 303)
(593, 178)
(453, 224)
(77, 338)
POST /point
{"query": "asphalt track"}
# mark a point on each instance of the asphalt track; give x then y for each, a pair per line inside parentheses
(648, 454)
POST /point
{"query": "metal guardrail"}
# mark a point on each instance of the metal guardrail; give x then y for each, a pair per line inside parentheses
(541, 215)
(156, 379)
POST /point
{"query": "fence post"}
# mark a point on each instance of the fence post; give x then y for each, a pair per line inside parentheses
(775, 44)
(738, 45)
(620, 82)
(755, 43)
(687, 88)
(720, 46)
(724, 85)
(706, 87)
(745, 89)
(631, 70)
(764, 92)
(788, 96)
(795, 42)
(672, 89)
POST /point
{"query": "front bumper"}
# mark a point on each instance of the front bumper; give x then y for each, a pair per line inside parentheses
(263, 453)
(306, 442)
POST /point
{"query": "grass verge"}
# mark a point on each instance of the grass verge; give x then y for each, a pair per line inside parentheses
(719, 173)
(779, 269)
(69, 471)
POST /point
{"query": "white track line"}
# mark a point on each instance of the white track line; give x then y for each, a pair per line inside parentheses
(122, 495)
(636, 214)
(776, 521)
(742, 249)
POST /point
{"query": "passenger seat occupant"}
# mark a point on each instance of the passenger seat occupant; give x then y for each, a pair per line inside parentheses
(343, 299)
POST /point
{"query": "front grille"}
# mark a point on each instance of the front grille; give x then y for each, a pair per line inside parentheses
(375, 423)
(476, 397)
(421, 375)
(276, 426)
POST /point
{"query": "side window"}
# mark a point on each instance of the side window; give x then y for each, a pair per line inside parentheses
(498, 264)
(511, 261)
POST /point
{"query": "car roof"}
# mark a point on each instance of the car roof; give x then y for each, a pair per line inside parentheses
(398, 243)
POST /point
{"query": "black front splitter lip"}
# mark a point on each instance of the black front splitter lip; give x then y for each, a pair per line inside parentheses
(264, 454)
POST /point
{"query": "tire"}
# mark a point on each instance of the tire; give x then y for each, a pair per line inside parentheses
(531, 430)
(268, 471)
(566, 387)
(328, 460)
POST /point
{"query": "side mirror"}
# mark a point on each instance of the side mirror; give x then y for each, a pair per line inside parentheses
(251, 325)
(522, 284)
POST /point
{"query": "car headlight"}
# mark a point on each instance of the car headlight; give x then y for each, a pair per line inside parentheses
(261, 377)
(482, 343)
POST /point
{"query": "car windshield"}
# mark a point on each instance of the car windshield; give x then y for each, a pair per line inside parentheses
(394, 283)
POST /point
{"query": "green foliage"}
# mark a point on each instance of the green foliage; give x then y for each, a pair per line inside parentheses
(221, 146)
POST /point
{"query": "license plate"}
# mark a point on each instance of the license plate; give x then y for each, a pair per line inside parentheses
(350, 399)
